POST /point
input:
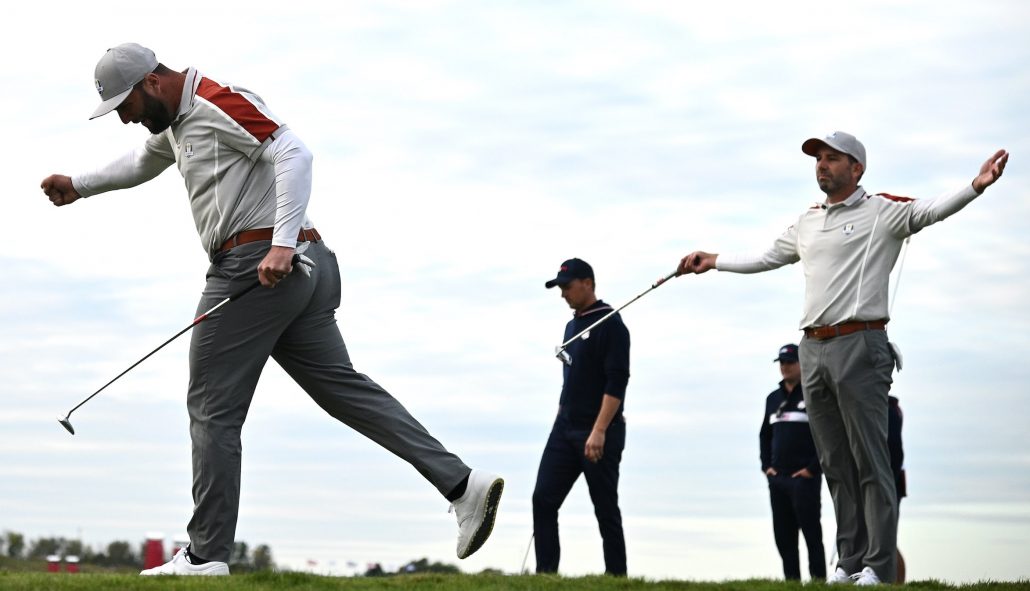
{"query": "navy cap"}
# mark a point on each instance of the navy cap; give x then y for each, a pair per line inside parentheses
(571, 269)
(788, 354)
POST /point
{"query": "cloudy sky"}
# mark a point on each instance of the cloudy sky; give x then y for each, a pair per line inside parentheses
(462, 151)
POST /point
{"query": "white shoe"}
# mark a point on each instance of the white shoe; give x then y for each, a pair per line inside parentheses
(180, 565)
(866, 578)
(839, 577)
(476, 511)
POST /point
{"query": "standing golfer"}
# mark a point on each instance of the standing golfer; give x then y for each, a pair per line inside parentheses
(791, 467)
(589, 432)
(248, 178)
(895, 419)
(848, 245)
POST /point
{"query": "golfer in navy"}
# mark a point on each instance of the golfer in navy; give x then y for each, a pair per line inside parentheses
(589, 432)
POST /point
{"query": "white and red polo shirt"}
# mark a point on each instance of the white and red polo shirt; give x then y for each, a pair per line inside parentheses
(847, 250)
(220, 142)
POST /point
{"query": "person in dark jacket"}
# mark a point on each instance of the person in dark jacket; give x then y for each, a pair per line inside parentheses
(589, 432)
(791, 465)
(895, 418)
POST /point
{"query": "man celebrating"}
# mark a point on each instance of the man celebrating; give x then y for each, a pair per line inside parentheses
(848, 245)
(589, 432)
(248, 178)
(791, 466)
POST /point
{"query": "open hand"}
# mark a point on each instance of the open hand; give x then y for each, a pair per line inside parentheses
(991, 171)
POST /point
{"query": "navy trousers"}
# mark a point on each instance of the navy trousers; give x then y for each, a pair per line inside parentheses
(796, 505)
(562, 463)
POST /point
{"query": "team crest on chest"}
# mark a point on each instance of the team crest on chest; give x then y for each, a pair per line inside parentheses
(849, 229)
(188, 149)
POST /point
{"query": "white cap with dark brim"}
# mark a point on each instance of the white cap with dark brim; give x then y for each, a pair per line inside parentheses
(118, 71)
(840, 141)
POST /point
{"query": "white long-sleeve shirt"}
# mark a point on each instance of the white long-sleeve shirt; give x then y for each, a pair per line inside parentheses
(847, 250)
(242, 167)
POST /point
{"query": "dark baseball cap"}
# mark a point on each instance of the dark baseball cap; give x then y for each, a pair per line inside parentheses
(788, 354)
(569, 270)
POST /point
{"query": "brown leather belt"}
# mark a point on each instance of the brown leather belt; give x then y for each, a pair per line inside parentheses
(310, 235)
(821, 333)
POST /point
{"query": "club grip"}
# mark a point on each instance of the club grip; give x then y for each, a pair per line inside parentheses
(294, 262)
(663, 280)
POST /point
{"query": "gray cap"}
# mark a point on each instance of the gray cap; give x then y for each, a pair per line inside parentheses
(118, 71)
(840, 141)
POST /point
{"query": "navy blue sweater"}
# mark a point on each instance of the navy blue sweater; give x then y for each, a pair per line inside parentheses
(785, 439)
(600, 365)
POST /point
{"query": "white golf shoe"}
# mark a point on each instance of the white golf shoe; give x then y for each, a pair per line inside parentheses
(839, 577)
(180, 565)
(476, 511)
(867, 577)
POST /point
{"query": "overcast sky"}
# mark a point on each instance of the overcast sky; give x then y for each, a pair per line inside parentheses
(462, 151)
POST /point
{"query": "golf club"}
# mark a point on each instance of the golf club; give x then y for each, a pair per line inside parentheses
(522, 571)
(564, 356)
(299, 260)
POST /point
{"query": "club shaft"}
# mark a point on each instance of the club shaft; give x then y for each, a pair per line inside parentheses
(526, 557)
(195, 322)
(616, 311)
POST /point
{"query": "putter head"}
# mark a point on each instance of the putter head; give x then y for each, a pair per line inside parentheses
(563, 355)
(67, 424)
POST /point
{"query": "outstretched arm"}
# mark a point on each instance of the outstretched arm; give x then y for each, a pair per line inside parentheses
(136, 167)
(784, 251)
(991, 171)
(921, 213)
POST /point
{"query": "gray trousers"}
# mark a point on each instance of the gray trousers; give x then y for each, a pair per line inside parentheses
(295, 324)
(846, 380)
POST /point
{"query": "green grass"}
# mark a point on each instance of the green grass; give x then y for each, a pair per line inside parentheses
(23, 581)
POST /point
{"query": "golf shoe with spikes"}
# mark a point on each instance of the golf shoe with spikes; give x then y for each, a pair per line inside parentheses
(180, 565)
(476, 511)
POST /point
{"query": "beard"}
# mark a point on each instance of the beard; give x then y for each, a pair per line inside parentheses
(832, 184)
(156, 117)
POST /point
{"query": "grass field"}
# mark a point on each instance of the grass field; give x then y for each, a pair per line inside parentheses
(22, 581)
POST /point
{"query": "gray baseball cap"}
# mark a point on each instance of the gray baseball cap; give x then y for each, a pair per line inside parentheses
(840, 141)
(118, 71)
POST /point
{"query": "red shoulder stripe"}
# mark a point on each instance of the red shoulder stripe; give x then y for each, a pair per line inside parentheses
(895, 197)
(238, 107)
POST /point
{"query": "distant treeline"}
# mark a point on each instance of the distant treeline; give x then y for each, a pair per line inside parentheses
(119, 553)
(122, 554)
